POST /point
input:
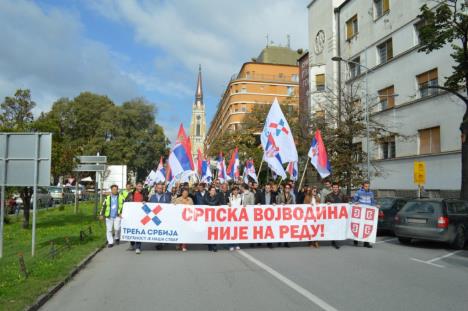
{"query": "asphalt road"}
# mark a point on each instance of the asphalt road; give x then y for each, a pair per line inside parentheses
(423, 276)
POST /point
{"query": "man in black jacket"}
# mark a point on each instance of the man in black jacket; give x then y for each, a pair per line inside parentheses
(335, 197)
(265, 197)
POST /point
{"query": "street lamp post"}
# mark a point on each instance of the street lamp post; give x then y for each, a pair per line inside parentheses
(340, 59)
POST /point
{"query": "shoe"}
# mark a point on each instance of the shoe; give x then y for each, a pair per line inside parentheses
(231, 249)
(355, 243)
(367, 244)
(110, 245)
(316, 244)
(184, 249)
(117, 241)
(215, 249)
(137, 251)
(159, 247)
(335, 245)
(287, 245)
(237, 248)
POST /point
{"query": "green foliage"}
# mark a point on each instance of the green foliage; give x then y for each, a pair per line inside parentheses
(16, 112)
(446, 24)
(16, 292)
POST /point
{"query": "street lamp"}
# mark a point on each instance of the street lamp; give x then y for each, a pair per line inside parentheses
(340, 59)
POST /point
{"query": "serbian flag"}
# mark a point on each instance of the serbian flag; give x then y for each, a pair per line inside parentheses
(273, 158)
(318, 156)
(249, 170)
(222, 175)
(184, 140)
(292, 170)
(206, 175)
(169, 176)
(160, 172)
(199, 162)
(150, 179)
(233, 168)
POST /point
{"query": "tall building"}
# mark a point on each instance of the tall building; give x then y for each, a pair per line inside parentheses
(378, 43)
(198, 123)
(274, 73)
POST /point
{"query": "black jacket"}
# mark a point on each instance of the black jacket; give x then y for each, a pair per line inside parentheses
(335, 198)
(260, 198)
(213, 201)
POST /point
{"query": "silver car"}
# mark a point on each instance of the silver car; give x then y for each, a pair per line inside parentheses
(62, 195)
(443, 220)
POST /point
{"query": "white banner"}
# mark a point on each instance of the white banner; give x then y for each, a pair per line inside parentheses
(200, 224)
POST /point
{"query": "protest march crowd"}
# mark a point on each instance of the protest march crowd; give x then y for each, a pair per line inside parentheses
(235, 194)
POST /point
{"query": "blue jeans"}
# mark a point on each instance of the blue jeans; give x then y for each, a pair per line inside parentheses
(136, 244)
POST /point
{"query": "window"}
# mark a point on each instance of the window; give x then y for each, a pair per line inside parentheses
(320, 82)
(385, 51)
(354, 67)
(294, 78)
(381, 7)
(351, 27)
(243, 89)
(387, 97)
(290, 90)
(417, 32)
(429, 140)
(357, 150)
(243, 108)
(387, 148)
(198, 129)
(428, 78)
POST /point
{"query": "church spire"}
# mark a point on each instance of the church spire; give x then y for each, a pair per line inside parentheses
(199, 92)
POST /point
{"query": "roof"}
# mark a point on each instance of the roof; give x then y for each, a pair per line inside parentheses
(278, 55)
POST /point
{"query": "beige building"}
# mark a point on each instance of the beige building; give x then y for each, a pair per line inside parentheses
(274, 73)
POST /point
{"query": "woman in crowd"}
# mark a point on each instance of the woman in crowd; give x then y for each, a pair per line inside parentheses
(235, 200)
(312, 197)
(185, 200)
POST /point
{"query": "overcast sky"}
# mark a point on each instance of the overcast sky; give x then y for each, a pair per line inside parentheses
(126, 49)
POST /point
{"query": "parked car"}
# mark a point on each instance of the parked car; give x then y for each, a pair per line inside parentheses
(82, 194)
(44, 198)
(443, 220)
(62, 195)
(388, 208)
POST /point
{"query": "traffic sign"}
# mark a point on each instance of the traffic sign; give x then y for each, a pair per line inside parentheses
(90, 168)
(419, 173)
(92, 159)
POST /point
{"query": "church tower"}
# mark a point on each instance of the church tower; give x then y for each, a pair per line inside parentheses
(198, 124)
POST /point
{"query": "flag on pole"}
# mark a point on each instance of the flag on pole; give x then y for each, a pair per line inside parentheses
(249, 170)
(150, 179)
(277, 128)
(233, 167)
(169, 176)
(318, 156)
(160, 172)
(206, 175)
(293, 170)
(180, 158)
(222, 175)
(273, 158)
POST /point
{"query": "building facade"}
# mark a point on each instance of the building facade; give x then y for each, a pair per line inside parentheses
(378, 43)
(274, 74)
(198, 123)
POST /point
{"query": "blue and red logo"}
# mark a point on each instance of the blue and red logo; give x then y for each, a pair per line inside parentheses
(151, 214)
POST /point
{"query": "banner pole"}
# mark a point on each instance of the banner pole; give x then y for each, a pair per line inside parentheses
(260, 168)
(303, 174)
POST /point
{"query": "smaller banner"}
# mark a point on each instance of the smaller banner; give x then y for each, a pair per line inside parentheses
(200, 224)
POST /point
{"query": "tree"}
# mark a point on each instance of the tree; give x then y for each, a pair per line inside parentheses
(16, 116)
(447, 23)
(344, 142)
(17, 113)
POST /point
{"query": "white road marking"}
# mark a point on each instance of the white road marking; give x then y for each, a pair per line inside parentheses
(427, 263)
(387, 240)
(445, 256)
(301, 290)
(431, 261)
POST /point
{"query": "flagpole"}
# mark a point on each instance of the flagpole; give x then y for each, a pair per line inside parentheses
(281, 179)
(303, 174)
(260, 169)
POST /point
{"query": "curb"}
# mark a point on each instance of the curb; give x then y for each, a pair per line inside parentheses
(53, 290)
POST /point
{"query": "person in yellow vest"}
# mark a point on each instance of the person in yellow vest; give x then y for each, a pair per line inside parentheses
(127, 190)
(112, 212)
